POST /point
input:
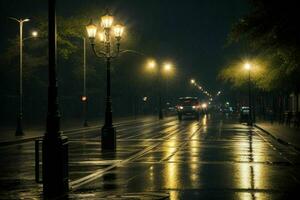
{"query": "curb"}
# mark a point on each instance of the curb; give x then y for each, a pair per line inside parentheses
(278, 139)
(29, 139)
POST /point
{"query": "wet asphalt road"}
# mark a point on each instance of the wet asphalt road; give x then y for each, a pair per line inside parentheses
(214, 158)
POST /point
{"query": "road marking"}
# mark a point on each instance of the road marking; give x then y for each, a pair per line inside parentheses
(98, 173)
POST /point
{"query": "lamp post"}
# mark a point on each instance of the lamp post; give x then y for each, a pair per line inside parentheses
(19, 129)
(108, 131)
(55, 146)
(84, 98)
(165, 68)
(248, 67)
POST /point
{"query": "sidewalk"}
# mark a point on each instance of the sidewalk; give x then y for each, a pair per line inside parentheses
(36, 130)
(283, 134)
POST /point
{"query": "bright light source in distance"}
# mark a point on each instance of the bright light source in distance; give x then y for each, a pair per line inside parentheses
(204, 105)
(34, 33)
(193, 81)
(151, 64)
(145, 98)
(247, 66)
(168, 66)
(83, 98)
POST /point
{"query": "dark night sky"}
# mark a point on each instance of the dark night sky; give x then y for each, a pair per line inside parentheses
(191, 33)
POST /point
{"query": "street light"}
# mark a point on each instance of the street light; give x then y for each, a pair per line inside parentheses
(84, 97)
(106, 34)
(165, 68)
(248, 68)
(193, 81)
(151, 64)
(34, 33)
(19, 129)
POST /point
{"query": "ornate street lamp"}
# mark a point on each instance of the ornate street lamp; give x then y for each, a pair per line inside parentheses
(108, 35)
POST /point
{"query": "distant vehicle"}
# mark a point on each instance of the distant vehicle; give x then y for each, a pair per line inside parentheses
(227, 110)
(244, 114)
(188, 106)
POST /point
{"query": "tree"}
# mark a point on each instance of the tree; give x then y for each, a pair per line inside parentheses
(270, 29)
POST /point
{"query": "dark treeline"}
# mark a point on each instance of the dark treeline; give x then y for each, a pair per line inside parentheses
(272, 39)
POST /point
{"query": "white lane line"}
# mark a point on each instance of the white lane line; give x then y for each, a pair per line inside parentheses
(87, 179)
(98, 173)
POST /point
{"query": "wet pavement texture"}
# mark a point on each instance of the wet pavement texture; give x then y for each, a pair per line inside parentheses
(213, 158)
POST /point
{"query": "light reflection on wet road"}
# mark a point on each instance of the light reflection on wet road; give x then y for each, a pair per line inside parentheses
(214, 158)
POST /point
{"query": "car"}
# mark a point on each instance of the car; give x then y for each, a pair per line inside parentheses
(244, 114)
(188, 106)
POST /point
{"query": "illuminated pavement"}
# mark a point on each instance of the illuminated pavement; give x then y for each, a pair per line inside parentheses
(214, 158)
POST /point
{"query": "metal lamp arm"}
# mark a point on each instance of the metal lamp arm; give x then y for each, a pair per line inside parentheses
(100, 54)
(27, 38)
(123, 51)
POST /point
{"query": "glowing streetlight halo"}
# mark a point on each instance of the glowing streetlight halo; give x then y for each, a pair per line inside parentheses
(167, 66)
(247, 66)
(151, 64)
(34, 33)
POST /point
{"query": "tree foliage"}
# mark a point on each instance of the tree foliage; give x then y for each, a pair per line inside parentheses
(271, 32)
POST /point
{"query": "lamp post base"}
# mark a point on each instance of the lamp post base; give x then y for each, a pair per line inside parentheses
(55, 166)
(160, 115)
(19, 130)
(85, 123)
(108, 138)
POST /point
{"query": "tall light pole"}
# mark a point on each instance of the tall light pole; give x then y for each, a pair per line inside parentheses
(248, 67)
(19, 129)
(108, 131)
(165, 68)
(55, 146)
(84, 97)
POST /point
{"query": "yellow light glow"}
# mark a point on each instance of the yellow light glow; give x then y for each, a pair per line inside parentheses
(91, 30)
(193, 81)
(167, 67)
(83, 98)
(34, 33)
(247, 66)
(151, 64)
(118, 30)
(101, 36)
(107, 21)
(204, 105)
